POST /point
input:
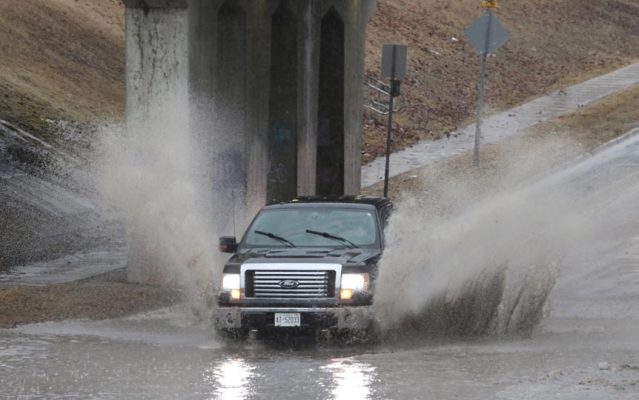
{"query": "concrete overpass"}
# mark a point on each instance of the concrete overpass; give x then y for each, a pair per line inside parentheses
(279, 83)
(273, 90)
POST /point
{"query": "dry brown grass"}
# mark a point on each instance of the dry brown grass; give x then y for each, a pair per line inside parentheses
(65, 58)
(99, 300)
(598, 123)
(61, 59)
(553, 44)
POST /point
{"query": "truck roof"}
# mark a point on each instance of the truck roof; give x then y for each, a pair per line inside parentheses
(377, 202)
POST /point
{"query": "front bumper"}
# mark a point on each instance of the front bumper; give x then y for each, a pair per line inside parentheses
(348, 318)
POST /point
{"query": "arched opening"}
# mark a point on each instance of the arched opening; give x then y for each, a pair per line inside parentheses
(230, 98)
(330, 122)
(282, 134)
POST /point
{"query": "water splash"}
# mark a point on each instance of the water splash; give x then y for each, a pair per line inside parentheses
(477, 255)
(151, 175)
(49, 206)
(152, 170)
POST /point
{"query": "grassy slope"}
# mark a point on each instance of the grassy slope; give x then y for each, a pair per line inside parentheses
(553, 44)
(65, 58)
(61, 59)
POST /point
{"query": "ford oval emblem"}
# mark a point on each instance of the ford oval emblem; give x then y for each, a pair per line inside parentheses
(289, 284)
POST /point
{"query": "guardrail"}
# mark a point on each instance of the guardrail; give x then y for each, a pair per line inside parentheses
(377, 96)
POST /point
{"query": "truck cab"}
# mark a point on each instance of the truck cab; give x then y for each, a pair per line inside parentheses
(305, 265)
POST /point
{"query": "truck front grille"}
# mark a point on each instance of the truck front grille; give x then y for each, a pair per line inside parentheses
(290, 284)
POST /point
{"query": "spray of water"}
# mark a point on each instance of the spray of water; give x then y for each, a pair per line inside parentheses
(151, 175)
(477, 255)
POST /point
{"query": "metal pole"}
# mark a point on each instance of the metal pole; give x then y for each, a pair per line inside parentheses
(388, 144)
(482, 90)
(389, 131)
(480, 110)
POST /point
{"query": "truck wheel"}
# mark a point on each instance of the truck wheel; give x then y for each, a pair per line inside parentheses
(358, 336)
(231, 333)
(324, 336)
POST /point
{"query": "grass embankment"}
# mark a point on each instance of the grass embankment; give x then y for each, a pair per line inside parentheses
(553, 44)
(64, 59)
(82, 300)
(61, 59)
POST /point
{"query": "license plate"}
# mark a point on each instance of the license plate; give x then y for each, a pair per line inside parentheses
(288, 319)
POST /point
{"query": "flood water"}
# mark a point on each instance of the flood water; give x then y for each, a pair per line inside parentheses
(155, 360)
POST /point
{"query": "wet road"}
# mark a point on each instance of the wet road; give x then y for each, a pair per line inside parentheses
(155, 360)
(588, 348)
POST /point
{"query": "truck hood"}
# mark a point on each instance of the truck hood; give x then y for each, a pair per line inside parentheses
(293, 255)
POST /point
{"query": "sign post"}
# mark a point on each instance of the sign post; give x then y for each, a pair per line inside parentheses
(487, 35)
(394, 68)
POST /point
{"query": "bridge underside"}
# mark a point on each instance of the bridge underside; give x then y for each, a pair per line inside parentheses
(273, 89)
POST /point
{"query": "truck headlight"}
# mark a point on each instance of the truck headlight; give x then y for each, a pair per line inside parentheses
(353, 283)
(231, 283)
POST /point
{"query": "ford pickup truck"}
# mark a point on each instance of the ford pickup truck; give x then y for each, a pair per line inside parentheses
(305, 265)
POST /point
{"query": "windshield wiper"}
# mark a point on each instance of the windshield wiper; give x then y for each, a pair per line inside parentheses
(276, 237)
(334, 237)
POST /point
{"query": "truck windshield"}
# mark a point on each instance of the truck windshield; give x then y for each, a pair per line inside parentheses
(357, 226)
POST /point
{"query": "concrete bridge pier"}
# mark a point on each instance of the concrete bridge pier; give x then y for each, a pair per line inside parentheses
(273, 91)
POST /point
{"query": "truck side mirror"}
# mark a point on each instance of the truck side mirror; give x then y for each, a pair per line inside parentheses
(228, 244)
